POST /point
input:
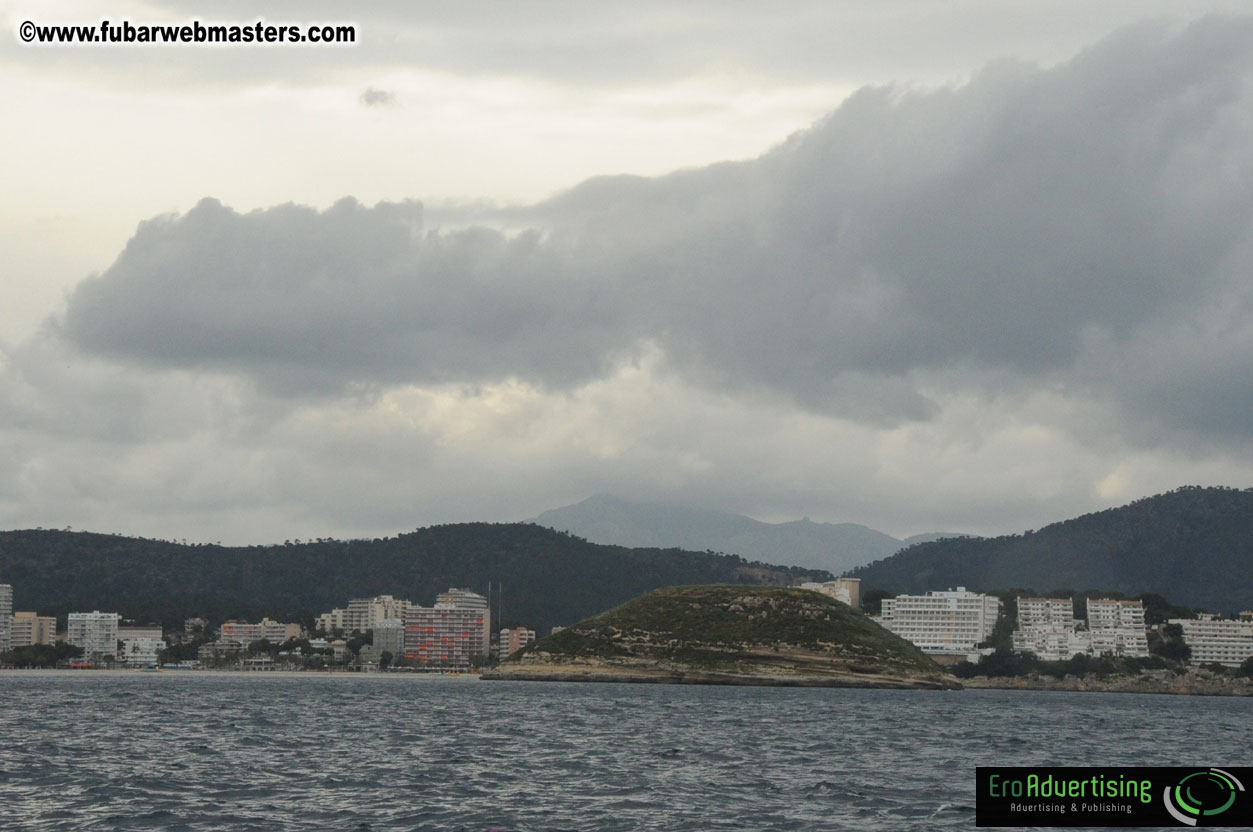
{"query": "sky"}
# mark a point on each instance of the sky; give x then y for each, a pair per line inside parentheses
(973, 266)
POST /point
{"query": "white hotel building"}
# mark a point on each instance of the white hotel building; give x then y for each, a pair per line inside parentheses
(1117, 628)
(953, 622)
(1215, 640)
(95, 632)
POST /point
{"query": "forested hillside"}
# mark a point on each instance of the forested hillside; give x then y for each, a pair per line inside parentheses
(1193, 545)
(548, 577)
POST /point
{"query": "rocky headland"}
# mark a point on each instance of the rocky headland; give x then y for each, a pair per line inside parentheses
(729, 635)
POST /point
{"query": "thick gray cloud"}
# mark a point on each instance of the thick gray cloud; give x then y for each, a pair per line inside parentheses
(1085, 226)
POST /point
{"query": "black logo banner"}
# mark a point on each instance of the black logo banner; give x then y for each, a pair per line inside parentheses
(1204, 796)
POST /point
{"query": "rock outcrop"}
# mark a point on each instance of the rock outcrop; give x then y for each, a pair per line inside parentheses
(735, 635)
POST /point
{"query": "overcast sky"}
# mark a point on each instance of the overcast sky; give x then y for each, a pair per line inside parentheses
(974, 265)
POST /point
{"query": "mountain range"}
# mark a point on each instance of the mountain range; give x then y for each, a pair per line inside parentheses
(833, 547)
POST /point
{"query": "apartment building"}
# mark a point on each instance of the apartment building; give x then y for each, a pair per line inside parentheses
(363, 614)
(1045, 612)
(1047, 628)
(6, 617)
(513, 639)
(95, 632)
(30, 628)
(1217, 640)
(243, 633)
(140, 651)
(1117, 628)
(389, 636)
(950, 622)
(452, 634)
(845, 590)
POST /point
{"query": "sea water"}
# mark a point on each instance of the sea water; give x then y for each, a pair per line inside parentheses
(264, 751)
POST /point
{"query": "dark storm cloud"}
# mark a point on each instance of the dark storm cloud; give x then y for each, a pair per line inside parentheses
(1034, 224)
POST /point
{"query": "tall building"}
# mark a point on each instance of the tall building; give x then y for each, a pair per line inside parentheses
(953, 621)
(6, 618)
(389, 636)
(450, 635)
(95, 632)
(1117, 628)
(30, 628)
(363, 614)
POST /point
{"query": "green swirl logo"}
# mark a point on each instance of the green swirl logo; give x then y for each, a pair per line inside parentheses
(1201, 795)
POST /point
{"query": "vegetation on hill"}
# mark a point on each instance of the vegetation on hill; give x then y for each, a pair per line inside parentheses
(1193, 544)
(720, 626)
(548, 577)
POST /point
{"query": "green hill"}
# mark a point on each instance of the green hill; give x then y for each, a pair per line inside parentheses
(728, 635)
(549, 577)
(1193, 545)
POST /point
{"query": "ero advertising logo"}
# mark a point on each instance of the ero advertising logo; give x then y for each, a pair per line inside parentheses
(1113, 796)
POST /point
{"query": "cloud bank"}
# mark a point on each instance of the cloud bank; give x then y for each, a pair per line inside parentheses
(994, 303)
(1085, 226)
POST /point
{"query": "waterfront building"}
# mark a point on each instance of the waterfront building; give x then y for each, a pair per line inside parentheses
(216, 651)
(151, 631)
(844, 590)
(451, 635)
(1117, 628)
(95, 632)
(389, 636)
(30, 628)
(193, 627)
(1214, 640)
(6, 617)
(140, 651)
(243, 633)
(513, 639)
(950, 622)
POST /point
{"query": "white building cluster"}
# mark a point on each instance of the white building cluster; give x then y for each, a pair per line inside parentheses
(1048, 628)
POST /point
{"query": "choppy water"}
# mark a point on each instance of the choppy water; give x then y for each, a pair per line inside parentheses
(198, 751)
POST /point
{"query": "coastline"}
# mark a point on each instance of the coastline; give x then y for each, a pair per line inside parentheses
(687, 676)
(1195, 682)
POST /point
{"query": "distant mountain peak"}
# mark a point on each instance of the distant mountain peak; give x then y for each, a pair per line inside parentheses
(612, 519)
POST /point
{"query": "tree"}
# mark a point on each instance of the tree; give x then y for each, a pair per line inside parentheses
(385, 660)
(872, 600)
